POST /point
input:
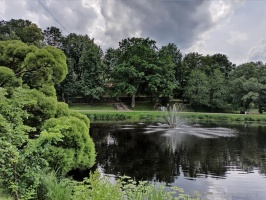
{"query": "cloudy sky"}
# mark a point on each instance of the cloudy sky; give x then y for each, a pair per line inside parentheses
(236, 28)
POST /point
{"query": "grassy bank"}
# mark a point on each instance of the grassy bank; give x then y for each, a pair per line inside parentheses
(102, 114)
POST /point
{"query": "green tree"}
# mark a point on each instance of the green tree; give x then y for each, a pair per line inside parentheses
(223, 64)
(136, 61)
(85, 77)
(19, 165)
(262, 93)
(246, 70)
(162, 81)
(109, 62)
(197, 89)
(32, 65)
(37, 132)
(244, 92)
(53, 37)
(75, 150)
(190, 62)
(218, 90)
(175, 57)
(24, 30)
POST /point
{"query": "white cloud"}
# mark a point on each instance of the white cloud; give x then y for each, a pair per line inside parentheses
(236, 37)
(2, 10)
(258, 52)
(220, 11)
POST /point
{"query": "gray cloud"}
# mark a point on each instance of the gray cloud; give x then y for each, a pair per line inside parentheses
(110, 21)
(68, 15)
(165, 21)
(258, 52)
(204, 26)
(71, 14)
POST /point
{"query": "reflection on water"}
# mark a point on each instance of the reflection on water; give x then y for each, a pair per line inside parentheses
(204, 158)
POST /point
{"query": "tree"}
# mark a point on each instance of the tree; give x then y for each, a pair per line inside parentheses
(197, 89)
(32, 65)
(18, 166)
(246, 70)
(85, 77)
(53, 37)
(136, 61)
(109, 62)
(243, 92)
(223, 64)
(162, 82)
(24, 30)
(190, 62)
(218, 90)
(262, 93)
(37, 132)
(75, 150)
(175, 57)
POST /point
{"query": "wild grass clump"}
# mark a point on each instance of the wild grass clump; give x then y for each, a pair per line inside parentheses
(125, 188)
(98, 187)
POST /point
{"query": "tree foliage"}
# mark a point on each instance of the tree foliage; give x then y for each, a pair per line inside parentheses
(85, 77)
(34, 66)
(36, 132)
(197, 89)
(19, 29)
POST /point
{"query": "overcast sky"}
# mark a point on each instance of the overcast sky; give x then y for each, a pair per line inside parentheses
(236, 28)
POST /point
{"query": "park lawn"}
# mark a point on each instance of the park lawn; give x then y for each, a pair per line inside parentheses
(107, 112)
(96, 106)
(140, 106)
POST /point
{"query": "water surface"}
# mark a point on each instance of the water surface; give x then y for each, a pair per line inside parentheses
(219, 161)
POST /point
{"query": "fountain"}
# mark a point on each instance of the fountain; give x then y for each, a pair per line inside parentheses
(175, 126)
(171, 116)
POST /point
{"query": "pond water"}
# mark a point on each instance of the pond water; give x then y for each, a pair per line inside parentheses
(219, 161)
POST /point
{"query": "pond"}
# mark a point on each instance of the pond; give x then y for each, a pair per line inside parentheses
(219, 161)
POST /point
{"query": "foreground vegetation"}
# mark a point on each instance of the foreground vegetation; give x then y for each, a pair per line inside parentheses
(37, 133)
(97, 187)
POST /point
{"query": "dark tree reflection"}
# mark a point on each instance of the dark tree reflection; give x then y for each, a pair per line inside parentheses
(155, 156)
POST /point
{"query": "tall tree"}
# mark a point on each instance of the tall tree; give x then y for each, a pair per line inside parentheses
(190, 62)
(137, 60)
(53, 37)
(175, 56)
(85, 77)
(223, 64)
(197, 89)
(218, 90)
(109, 61)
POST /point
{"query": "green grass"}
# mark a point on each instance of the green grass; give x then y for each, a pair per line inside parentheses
(143, 106)
(107, 113)
(98, 106)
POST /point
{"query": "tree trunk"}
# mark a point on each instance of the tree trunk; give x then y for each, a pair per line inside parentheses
(133, 101)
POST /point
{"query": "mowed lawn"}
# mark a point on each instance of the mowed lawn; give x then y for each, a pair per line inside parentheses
(147, 108)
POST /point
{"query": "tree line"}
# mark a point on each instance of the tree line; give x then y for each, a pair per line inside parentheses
(138, 67)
